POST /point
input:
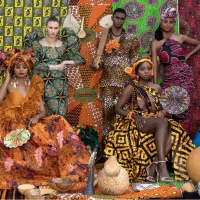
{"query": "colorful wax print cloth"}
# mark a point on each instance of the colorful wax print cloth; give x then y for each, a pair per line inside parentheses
(189, 12)
(136, 150)
(177, 73)
(55, 82)
(54, 149)
(143, 17)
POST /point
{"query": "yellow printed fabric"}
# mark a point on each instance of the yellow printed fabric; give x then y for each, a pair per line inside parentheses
(54, 149)
(19, 17)
(136, 150)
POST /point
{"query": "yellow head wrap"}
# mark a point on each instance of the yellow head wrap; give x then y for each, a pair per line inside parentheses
(131, 70)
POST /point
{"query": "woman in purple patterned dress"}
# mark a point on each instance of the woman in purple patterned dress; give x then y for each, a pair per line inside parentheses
(168, 47)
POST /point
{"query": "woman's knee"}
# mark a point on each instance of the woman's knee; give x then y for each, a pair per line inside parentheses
(162, 122)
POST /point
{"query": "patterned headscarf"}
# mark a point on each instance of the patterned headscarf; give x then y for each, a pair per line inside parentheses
(17, 57)
(131, 70)
(169, 13)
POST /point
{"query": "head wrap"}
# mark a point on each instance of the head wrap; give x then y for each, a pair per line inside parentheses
(169, 13)
(17, 57)
(131, 70)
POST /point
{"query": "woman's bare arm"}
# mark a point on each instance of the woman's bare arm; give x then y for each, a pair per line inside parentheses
(154, 59)
(4, 87)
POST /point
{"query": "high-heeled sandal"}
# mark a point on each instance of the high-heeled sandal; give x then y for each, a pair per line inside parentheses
(163, 179)
(150, 178)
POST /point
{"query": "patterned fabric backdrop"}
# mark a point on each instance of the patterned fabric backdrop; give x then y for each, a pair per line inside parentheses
(19, 16)
(189, 11)
(143, 17)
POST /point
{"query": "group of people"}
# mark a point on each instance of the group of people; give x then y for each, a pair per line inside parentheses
(39, 105)
(138, 138)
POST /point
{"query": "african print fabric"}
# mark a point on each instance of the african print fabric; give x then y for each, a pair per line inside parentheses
(143, 17)
(19, 17)
(113, 76)
(84, 102)
(55, 82)
(189, 12)
(136, 150)
(54, 148)
(177, 73)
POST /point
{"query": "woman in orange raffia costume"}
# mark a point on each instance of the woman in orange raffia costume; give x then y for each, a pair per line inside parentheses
(53, 150)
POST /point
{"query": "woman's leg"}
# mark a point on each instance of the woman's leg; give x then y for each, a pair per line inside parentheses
(160, 128)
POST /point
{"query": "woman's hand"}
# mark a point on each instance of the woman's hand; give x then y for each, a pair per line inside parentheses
(34, 120)
(8, 77)
(59, 67)
(139, 120)
(162, 113)
(68, 62)
(187, 57)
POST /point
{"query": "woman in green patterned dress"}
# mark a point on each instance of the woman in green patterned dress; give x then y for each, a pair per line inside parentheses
(142, 139)
(52, 55)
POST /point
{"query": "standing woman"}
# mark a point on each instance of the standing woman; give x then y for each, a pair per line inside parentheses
(52, 55)
(168, 47)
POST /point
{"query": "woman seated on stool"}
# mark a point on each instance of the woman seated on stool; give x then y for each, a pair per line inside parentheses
(53, 150)
(142, 139)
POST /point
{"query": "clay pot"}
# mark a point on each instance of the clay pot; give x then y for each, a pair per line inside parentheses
(40, 194)
(25, 187)
(62, 185)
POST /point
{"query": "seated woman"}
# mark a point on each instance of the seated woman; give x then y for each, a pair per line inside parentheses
(142, 139)
(53, 149)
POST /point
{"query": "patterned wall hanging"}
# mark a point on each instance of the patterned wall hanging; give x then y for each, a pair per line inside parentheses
(143, 17)
(21, 16)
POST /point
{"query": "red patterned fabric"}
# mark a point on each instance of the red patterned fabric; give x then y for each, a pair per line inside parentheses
(189, 10)
(177, 73)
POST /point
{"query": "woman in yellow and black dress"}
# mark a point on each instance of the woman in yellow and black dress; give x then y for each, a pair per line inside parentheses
(142, 139)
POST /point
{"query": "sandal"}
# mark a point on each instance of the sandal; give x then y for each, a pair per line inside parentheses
(163, 179)
(150, 178)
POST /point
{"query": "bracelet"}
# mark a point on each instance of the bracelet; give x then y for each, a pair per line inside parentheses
(129, 116)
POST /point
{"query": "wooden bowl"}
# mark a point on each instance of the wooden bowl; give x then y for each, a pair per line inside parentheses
(41, 194)
(62, 185)
(25, 187)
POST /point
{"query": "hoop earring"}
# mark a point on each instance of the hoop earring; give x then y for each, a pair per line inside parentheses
(14, 82)
(137, 78)
(27, 81)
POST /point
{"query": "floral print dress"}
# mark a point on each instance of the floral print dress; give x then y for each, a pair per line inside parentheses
(54, 149)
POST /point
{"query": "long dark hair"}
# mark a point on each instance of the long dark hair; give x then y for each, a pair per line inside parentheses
(158, 33)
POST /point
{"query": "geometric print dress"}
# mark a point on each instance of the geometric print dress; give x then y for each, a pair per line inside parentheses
(136, 150)
(55, 82)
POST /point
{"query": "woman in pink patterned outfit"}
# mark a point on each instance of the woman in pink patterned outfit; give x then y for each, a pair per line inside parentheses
(168, 47)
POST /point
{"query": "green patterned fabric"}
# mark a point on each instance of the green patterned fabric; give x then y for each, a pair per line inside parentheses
(55, 82)
(143, 17)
